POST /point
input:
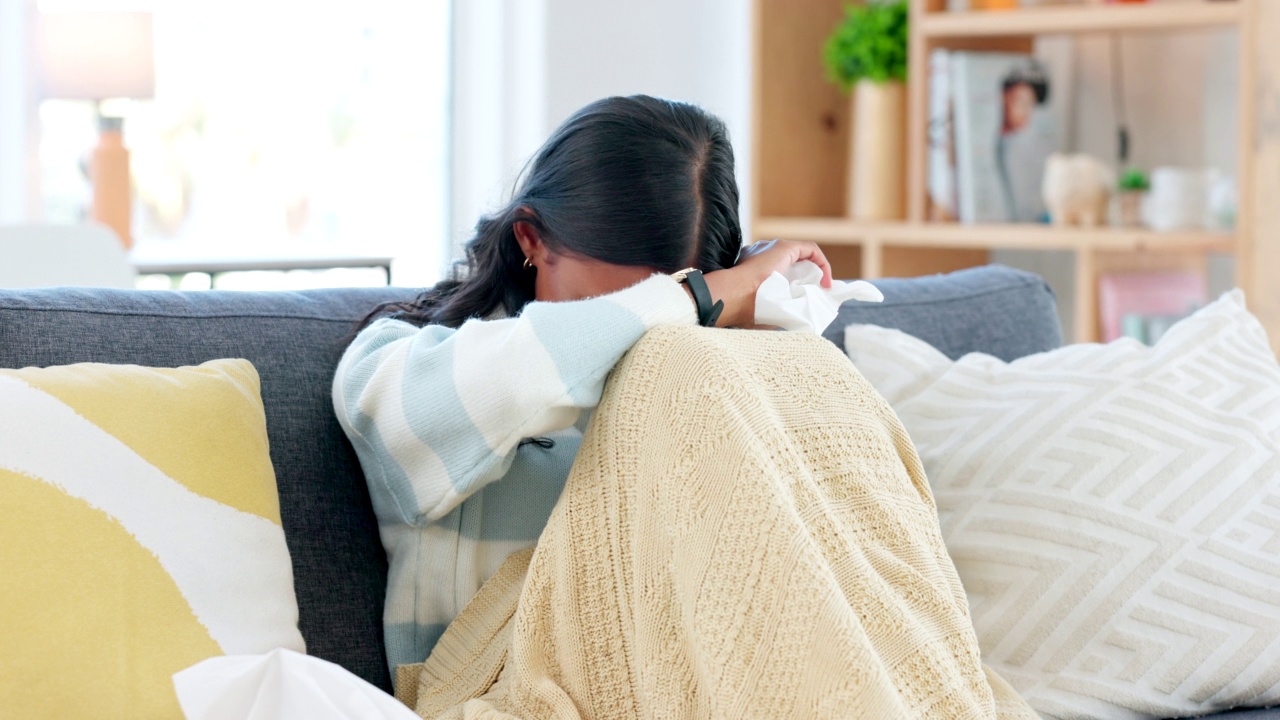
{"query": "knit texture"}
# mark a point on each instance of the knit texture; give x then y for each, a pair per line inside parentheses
(746, 532)
(437, 416)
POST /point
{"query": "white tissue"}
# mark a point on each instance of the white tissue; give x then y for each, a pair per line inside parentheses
(281, 685)
(796, 300)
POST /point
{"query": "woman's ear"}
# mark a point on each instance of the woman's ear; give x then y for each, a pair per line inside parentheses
(530, 242)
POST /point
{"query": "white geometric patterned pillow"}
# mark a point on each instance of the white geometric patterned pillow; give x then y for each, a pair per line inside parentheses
(1113, 510)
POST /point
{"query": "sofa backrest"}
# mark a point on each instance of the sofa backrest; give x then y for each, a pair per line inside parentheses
(992, 309)
(294, 339)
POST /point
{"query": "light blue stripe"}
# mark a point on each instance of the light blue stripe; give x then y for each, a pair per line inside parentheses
(583, 369)
(409, 643)
(393, 496)
(392, 493)
(517, 506)
(362, 360)
(448, 431)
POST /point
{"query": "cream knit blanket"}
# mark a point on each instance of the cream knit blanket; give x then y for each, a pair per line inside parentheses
(747, 532)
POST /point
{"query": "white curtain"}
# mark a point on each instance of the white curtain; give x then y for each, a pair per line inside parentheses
(18, 117)
(499, 79)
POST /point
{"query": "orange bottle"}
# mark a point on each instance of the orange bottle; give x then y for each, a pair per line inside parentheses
(109, 173)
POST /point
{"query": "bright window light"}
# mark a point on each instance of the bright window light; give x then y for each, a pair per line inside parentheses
(277, 124)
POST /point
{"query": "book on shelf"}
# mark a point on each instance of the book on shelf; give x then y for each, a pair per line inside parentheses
(1007, 121)
(942, 149)
(1144, 305)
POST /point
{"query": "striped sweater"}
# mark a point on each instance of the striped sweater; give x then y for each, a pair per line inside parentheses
(437, 416)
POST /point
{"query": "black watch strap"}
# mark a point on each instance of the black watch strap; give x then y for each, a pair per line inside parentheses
(708, 309)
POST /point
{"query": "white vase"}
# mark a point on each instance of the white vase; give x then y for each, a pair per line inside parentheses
(878, 151)
(1178, 199)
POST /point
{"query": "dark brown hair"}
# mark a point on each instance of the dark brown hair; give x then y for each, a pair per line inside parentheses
(636, 181)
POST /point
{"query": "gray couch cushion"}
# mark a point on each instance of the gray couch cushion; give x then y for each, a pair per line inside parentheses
(294, 340)
(992, 309)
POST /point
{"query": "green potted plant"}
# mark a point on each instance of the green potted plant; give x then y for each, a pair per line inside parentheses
(1132, 188)
(867, 53)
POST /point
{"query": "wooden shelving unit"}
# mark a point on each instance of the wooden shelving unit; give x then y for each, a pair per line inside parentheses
(801, 147)
(1009, 236)
(1079, 19)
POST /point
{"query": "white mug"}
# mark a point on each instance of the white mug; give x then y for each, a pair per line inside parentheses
(1178, 200)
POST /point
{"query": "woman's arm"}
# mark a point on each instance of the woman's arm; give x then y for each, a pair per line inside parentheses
(436, 413)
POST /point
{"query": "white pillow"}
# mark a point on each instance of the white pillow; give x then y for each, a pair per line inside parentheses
(1113, 510)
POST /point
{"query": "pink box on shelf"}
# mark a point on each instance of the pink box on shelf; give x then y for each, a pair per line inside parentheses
(1167, 294)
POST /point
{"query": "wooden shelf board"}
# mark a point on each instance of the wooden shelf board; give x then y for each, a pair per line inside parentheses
(842, 231)
(1052, 20)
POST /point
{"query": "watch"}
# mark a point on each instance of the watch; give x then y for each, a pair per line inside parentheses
(708, 309)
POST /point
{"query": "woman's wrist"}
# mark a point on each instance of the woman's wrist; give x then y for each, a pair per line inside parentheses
(734, 287)
(738, 296)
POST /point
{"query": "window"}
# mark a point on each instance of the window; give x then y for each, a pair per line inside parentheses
(280, 124)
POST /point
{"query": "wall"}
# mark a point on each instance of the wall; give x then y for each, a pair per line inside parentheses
(1180, 92)
(558, 55)
(697, 51)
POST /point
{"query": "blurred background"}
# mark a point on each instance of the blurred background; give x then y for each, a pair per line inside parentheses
(316, 130)
(277, 144)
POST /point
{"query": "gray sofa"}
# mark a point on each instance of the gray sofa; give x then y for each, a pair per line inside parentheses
(295, 339)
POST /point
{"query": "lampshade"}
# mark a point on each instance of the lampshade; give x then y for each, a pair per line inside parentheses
(95, 55)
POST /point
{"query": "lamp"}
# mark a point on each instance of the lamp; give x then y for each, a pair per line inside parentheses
(97, 56)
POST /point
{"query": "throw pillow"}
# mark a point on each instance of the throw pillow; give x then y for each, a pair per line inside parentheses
(1113, 510)
(139, 534)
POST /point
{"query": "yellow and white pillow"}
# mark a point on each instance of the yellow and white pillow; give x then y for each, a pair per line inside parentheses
(139, 533)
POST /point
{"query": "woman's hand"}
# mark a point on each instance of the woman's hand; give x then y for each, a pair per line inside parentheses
(737, 285)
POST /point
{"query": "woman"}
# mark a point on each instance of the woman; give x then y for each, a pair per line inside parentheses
(466, 406)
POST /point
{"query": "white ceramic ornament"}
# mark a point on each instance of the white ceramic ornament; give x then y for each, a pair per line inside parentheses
(1077, 189)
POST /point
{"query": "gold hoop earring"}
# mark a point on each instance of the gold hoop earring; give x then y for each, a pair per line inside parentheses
(528, 265)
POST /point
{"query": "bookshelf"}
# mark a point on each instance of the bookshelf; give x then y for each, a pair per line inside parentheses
(1004, 236)
(1079, 19)
(801, 135)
